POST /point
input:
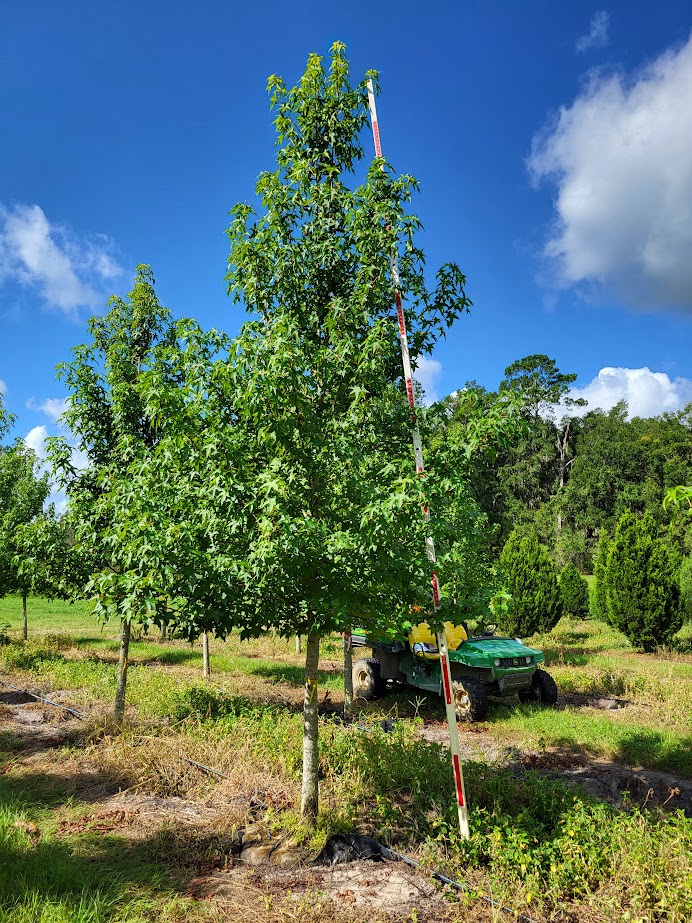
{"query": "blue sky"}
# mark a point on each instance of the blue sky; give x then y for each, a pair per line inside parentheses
(552, 142)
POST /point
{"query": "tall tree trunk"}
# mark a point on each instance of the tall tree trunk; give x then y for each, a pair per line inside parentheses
(299, 646)
(348, 676)
(309, 798)
(562, 445)
(206, 670)
(26, 623)
(164, 632)
(119, 711)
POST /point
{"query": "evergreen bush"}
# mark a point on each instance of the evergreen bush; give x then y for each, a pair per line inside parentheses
(686, 586)
(531, 579)
(574, 592)
(641, 581)
(598, 603)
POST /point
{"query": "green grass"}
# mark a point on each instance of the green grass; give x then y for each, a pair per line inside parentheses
(596, 735)
(86, 879)
(47, 615)
(535, 844)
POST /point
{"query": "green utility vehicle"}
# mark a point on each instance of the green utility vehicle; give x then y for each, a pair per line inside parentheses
(481, 666)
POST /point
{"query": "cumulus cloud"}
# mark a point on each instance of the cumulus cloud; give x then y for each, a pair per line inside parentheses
(53, 407)
(69, 272)
(36, 439)
(647, 393)
(597, 36)
(620, 158)
(427, 374)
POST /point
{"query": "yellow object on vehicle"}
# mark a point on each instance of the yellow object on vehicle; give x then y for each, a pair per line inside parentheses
(423, 642)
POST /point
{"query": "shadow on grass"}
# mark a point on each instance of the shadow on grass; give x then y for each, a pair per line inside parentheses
(577, 657)
(655, 750)
(86, 874)
(287, 673)
(90, 878)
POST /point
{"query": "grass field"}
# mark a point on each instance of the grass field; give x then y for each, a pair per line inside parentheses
(537, 845)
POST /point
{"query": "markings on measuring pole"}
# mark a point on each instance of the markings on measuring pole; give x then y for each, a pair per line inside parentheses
(430, 547)
(457, 777)
(445, 676)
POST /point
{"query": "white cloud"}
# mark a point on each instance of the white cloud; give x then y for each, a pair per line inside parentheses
(36, 439)
(620, 158)
(68, 271)
(647, 393)
(426, 374)
(3, 387)
(597, 36)
(53, 407)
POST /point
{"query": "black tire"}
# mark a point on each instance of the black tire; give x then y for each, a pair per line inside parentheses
(543, 690)
(470, 699)
(367, 683)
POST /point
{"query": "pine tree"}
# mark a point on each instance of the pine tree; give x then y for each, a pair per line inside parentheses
(642, 589)
(574, 592)
(531, 579)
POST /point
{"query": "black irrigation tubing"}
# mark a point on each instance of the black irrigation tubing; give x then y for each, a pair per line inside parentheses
(464, 886)
(458, 886)
(72, 711)
(213, 772)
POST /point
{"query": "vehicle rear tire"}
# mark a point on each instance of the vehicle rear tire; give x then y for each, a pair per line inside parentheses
(470, 699)
(367, 683)
(543, 690)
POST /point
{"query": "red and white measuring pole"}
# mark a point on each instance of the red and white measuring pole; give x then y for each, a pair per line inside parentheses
(429, 545)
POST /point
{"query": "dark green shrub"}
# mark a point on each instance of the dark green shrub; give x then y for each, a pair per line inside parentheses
(574, 592)
(642, 589)
(598, 602)
(686, 586)
(531, 579)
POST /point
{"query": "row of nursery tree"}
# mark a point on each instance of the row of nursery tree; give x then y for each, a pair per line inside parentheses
(266, 481)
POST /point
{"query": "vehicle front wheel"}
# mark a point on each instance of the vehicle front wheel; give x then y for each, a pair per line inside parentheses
(367, 683)
(543, 690)
(470, 699)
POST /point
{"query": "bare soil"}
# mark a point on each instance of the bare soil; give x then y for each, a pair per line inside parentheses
(215, 843)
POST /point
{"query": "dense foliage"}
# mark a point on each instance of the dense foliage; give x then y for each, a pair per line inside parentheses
(599, 602)
(531, 579)
(641, 584)
(574, 592)
(686, 586)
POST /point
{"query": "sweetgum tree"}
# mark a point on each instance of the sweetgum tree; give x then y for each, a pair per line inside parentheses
(109, 422)
(316, 371)
(23, 491)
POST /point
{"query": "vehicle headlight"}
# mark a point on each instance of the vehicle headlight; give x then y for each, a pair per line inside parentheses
(528, 660)
(496, 662)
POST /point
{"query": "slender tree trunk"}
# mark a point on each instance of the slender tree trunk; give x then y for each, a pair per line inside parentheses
(348, 676)
(206, 671)
(164, 632)
(26, 623)
(299, 646)
(562, 445)
(309, 799)
(122, 673)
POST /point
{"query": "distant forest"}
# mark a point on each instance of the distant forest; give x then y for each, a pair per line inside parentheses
(572, 471)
